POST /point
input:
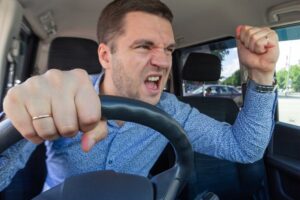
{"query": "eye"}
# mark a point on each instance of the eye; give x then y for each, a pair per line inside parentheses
(170, 50)
(144, 46)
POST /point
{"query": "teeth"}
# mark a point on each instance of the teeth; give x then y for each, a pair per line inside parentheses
(153, 78)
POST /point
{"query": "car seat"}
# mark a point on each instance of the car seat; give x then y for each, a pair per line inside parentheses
(229, 180)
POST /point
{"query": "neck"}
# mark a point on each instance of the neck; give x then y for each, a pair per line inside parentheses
(105, 90)
(106, 87)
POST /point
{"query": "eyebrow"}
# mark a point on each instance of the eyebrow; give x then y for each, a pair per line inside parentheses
(173, 46)
(150, 43)
(143, 41)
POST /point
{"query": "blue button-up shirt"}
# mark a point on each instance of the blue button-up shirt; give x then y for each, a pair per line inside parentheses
(134, 148)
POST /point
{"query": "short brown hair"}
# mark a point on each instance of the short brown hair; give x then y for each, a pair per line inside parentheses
(110, 23)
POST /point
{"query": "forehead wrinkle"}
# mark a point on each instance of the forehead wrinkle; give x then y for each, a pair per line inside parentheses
(163, 36)
(162, 29)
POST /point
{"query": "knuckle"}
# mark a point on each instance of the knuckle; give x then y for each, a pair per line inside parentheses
(48, 134)
(54, 77)
(253, 38)
(33, 84)
(34, 80)
(248, 33)
(90, 120)
(80, 74)
(45, 131)
(251, 31)
(12, 96)
(50, 137)
(68, 131)
(29, 135)
(53, 73)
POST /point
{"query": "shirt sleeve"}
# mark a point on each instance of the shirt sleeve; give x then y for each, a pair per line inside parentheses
(14, 159)
(245, 141)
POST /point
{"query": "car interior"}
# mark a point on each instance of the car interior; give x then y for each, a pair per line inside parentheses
(37, 35)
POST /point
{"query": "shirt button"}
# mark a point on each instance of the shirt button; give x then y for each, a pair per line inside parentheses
(110, 162)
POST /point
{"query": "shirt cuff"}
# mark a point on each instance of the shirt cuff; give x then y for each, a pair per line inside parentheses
(261, 88)
(259, 103)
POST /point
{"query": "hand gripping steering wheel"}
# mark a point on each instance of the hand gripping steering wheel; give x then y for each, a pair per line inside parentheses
(111, 185)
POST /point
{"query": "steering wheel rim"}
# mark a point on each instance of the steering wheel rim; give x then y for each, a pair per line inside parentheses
(120, 108)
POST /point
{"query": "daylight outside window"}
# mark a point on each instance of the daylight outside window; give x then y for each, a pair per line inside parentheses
(229, 84)
(288, 75)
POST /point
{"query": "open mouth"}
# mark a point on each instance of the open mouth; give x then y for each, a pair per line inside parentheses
(152, 82)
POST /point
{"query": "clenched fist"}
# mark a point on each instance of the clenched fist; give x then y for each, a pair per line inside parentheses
(55, 104)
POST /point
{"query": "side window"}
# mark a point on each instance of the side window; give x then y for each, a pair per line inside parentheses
(288, 75)
(229, 84)
(20, 58)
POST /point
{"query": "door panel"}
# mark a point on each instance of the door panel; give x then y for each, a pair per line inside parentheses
(283, 162)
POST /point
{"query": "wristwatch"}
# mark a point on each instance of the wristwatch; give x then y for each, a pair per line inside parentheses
(262, 88)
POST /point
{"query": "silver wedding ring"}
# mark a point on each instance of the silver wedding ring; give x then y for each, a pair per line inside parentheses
(40, 117)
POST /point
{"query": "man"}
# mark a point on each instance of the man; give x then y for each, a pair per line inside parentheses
(136, 42)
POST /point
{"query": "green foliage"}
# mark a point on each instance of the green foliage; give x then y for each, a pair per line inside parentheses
(281, 77)
(234, 79)
(293, 75)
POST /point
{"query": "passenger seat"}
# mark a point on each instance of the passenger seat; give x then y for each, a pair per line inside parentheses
(227, 179)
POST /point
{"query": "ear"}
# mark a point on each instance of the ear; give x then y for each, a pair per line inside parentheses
(104, 55)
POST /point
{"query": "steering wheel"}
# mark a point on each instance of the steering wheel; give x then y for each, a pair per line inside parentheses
(111, 185)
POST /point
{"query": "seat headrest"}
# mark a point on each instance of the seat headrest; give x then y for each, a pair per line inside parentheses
(68, 53)
(202, 67)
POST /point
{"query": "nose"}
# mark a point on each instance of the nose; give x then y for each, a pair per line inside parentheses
(161, 59)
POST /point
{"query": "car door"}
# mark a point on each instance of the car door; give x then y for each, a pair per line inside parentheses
(283, 155)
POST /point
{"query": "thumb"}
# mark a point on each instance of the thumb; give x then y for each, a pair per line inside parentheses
(239, 45)
(238, 31)
(90, 138)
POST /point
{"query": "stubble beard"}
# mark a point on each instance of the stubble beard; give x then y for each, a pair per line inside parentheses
(122, 82)
(125, 85)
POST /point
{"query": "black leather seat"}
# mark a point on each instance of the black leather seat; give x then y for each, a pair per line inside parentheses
(68, 53)
(65, 53)
(204, 67)
(227, 179)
